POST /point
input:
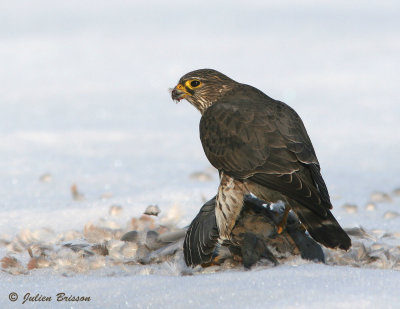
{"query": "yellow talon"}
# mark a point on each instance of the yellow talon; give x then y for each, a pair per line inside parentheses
(282, 224)
(215, 261)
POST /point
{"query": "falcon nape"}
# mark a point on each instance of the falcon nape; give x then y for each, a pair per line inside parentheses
(259, 146)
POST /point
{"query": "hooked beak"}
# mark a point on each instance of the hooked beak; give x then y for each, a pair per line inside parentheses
(179, 93)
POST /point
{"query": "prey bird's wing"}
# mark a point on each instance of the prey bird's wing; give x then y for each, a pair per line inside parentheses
(201, 236)
(248, 135)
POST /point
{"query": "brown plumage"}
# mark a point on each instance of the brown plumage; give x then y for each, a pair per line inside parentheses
(260, 146)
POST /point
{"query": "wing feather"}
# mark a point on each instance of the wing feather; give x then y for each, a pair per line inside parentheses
(251, 136)
(202, 236)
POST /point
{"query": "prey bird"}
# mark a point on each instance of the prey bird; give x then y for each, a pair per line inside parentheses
(253, 236)
(259, 146)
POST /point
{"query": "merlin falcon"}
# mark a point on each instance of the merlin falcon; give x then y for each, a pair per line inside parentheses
(260, 147)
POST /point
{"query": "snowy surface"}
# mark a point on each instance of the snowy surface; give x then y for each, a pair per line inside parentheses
(84, 98)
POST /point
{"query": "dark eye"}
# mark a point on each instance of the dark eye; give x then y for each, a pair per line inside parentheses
(194, 83)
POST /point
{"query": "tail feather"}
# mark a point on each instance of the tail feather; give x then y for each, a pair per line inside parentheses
(326, 231)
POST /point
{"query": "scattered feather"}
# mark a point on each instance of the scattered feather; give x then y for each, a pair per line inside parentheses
(396, 192)
(115, 210)
(391, 215)
(131, 236)
(46, 178)
(350, 208)
(76, 195)
(201, 176)
(370, 207)
(380, 197)
(150, 244)
(152, 210)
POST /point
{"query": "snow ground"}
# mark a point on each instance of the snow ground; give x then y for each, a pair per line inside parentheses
(84, 98)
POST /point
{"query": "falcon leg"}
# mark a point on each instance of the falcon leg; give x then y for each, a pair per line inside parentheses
(281, 225)
(272, 196)
(230, 198)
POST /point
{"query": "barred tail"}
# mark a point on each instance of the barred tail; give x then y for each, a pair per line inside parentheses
(325, 230)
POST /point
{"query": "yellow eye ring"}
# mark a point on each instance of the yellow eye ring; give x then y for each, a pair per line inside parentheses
(194, 83)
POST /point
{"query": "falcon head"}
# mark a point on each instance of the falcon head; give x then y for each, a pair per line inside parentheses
(202, 88)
